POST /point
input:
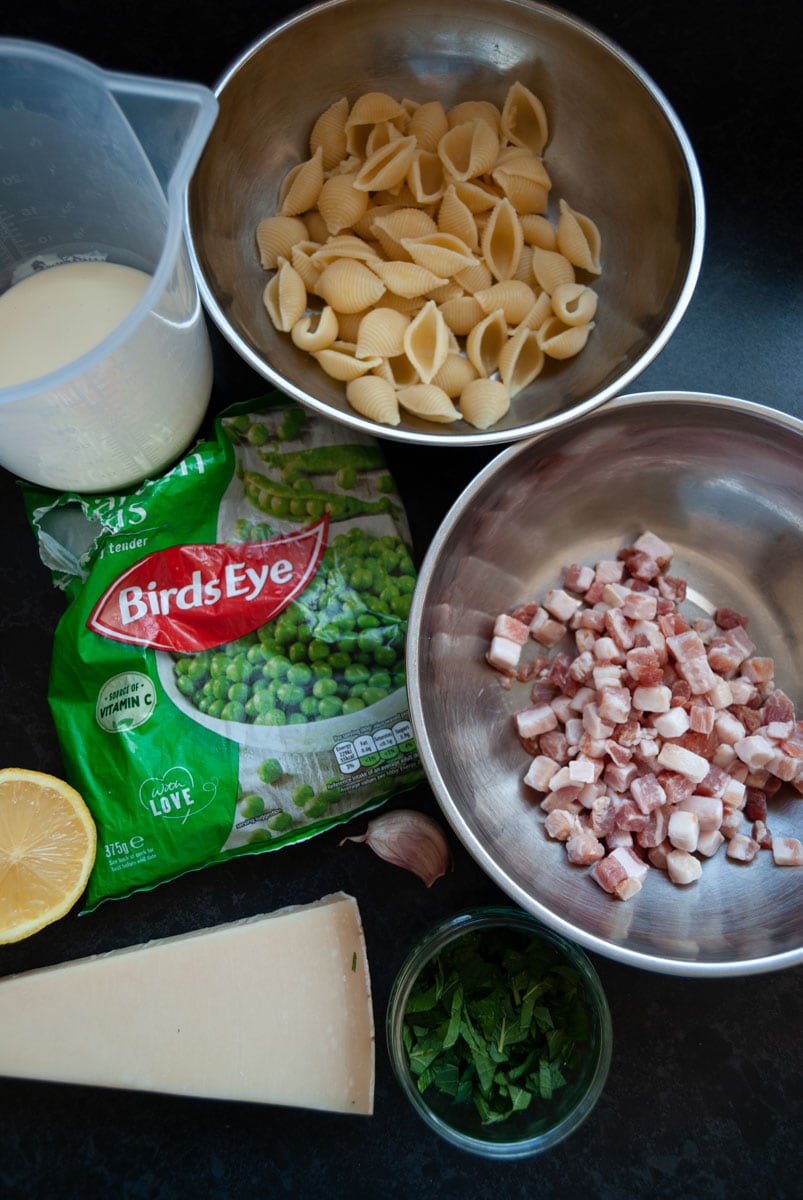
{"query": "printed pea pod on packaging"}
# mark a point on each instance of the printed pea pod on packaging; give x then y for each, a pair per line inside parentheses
(228, 675)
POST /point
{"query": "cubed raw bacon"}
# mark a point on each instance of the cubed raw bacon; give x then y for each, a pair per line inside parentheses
(533, 721)
(672, 724)
(650, 543)
(682, 867)
(787, 852)
(560, 605)
(755, 804)
(742, 848)
(608, 570)
(578, 578)
(683, 762)
(540, 772)
(657, 734)
(504, 654)
(584, 848)
(728, 618)
(655, 699)
(709, 842)
(683, 829)
(509, 627)
(562, 825)
(758, 670)
(708, 809)
(647, 793)
(545, 630)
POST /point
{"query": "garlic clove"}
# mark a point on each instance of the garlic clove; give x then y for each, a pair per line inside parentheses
(408, 839)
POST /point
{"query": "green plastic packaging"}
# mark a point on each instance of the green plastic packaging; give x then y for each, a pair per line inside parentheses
(228, 676)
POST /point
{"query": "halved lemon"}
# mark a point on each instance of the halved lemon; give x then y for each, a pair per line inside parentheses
(47, 850)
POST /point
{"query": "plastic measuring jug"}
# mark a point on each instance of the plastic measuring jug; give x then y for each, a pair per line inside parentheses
(94, 168)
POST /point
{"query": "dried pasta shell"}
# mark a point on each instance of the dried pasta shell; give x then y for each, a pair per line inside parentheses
(340, 361)
(525, 182)
(342, 245)
(426, 341)
(473, 110)
(387, 167)
(329, 133)
(362, 228)
(474, 279)
(428, 124)
(524, 119)
(425, 177)
(442, 253)
(390, 228)
(397, 371)
(477, 195)
(574, 303)
(541, 309)
(513, 297)
(276, 237)
(468, 150)
(315, 331)
(521, 360)
(285, 297)
(456, 218)
(316, 226)
(428, 401)
(563, 341)
(406, 278)
(551, 269)
(483, 402)
(538, 231)
(381, 333)
(374, 398)
(409, 305)
(485, 341)
(368, 110)
(380, 135)
(349, 326)
(524, 270)
(341, 203)
(300, 187)
(461, 314)
(579, 239)
(455, 372)
(502, 240)
(349, 286)
(447, 291)
(301, 258)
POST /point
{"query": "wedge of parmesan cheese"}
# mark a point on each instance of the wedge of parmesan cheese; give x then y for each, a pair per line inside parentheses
(274, 1009)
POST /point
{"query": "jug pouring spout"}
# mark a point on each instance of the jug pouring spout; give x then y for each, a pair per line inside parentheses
(171, 120)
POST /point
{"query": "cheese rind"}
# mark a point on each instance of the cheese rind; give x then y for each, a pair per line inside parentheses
(274, 1009)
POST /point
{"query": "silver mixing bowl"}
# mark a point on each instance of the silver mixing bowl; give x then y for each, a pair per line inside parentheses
(722, 481)
(617, 152)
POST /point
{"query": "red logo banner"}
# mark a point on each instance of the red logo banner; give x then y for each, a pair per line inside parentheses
(190, 598)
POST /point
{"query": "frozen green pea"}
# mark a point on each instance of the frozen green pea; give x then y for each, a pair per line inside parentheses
(302, 794)
(317, 806)
(257, 434)
(252, 805)
(280, 822)
(269, 770)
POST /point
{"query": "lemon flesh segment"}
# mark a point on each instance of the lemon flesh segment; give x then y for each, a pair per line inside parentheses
(47, 850)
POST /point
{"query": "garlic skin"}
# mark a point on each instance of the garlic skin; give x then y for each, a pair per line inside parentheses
(408, 839)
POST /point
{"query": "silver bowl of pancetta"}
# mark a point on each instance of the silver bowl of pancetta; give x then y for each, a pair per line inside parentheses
(445, 223)
(605, 669)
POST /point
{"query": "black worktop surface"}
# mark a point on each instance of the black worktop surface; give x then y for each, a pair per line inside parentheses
(704, 1093)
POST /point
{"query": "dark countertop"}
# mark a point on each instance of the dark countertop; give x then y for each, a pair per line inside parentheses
(704, 1092)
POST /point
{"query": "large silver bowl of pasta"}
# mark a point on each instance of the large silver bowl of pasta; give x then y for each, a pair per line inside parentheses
(445, 222)
(605, 671)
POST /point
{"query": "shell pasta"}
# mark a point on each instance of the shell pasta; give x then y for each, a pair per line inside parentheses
(416, 256)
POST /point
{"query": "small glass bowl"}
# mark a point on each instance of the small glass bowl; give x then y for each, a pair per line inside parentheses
(534, 1130)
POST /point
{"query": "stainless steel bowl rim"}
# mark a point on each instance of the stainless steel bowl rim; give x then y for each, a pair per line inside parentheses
(617, 952)
(488, 436)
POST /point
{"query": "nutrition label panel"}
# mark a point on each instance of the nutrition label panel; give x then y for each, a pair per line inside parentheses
(377, 746)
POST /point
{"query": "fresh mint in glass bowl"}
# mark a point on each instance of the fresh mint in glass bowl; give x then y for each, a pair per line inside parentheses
(499, 1033)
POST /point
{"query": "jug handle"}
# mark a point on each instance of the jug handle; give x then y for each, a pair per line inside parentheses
(171, 120)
